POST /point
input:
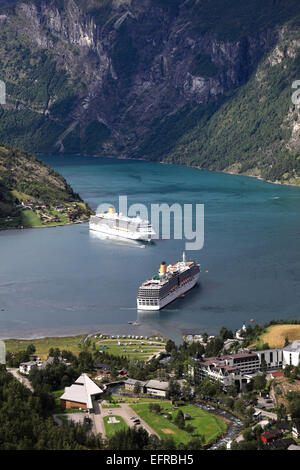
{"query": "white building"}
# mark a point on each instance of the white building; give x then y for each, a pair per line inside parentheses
(26, 367)
(81, 394)
(291, 354)
(157, 388)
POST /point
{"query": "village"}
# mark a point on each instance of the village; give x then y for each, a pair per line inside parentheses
(46, 214)
(204, 397)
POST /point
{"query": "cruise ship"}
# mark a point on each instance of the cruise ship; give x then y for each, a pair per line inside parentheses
(170, 283)
(117, 225)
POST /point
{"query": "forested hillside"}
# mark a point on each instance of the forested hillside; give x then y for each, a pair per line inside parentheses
(203, 83)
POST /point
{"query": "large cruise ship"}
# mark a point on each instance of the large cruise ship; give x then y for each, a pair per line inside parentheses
(113, 224)
(171, 282)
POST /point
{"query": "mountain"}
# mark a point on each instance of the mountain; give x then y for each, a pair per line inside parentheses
(34, 195)
(202, 83)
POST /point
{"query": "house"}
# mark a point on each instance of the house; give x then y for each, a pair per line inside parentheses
(102, 368)
(296, 430)
(280, 444)
(26, 367)
(81, 394)
(130, 385)
(157, 388)
(270, 436)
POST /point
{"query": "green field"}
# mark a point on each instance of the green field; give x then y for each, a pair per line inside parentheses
(136, 350)
(111, 428)
(205, 424)
(131, 348)
(69, 343)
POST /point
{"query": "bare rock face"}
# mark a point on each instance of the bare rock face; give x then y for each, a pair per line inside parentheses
(131, 65)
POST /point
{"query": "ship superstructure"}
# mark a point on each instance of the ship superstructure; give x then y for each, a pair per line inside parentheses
(170, 283)
(113, 224)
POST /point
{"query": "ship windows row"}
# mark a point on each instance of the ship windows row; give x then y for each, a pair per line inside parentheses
(148, 302)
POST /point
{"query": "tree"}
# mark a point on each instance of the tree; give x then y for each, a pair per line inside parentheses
(31, 349)
(170, 346)
(263, 366)
(189, 428)
(225, 333)
(179, 420)
(174, 391)
(137, 388)
(259, 382)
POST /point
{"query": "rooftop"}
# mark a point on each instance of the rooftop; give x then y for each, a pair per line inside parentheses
(293, 347)
(158, 385)
(82, 391)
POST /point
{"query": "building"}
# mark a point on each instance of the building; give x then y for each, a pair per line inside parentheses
(270, 436)
(26, 367)
(296, 430)
(130, 385)
(291, 354)
(272, 358)
(229, 369)
(81, 394)
(157, 388)
(101, 368)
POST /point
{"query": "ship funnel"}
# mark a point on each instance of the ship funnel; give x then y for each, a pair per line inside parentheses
(163, 268)
(111, 210)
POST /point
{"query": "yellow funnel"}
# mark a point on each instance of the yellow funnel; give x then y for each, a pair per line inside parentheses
(111, 210)
(163, 268)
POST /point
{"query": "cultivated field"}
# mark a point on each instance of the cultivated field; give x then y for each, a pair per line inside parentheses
(276, 334)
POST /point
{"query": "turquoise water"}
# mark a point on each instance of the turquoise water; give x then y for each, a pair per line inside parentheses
(63, 280)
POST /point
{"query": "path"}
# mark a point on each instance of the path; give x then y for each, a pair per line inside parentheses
(20, 378)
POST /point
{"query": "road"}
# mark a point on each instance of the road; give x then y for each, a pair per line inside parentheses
(20, 378)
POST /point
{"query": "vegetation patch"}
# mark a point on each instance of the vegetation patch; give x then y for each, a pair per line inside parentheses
(201, 424)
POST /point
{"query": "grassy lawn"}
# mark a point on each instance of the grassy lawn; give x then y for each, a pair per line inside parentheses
(134, 400)
(131, 348)
(30, 219)
(276, 334)
(70, 343)
(111, 428)
(205, 424)
(136, 350)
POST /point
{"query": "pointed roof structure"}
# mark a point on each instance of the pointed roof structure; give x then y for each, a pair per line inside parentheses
(82, 391)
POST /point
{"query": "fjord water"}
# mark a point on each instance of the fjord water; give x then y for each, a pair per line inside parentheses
(65, 280)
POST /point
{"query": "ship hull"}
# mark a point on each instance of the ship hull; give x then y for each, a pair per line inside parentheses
(104, 229)
(170, 297)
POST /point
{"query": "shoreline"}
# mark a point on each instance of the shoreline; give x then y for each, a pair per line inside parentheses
(162, 162)
(44, 226)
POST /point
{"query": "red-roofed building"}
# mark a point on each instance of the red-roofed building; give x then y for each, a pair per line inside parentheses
(269, 436)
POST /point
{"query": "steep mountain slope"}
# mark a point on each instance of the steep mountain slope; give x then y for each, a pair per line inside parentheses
(159, 79)
(30, 192)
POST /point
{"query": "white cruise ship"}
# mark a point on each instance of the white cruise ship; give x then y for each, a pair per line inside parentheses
(171, 282)
(117, 225)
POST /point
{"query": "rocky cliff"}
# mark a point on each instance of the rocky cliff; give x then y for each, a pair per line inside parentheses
(130, 77)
